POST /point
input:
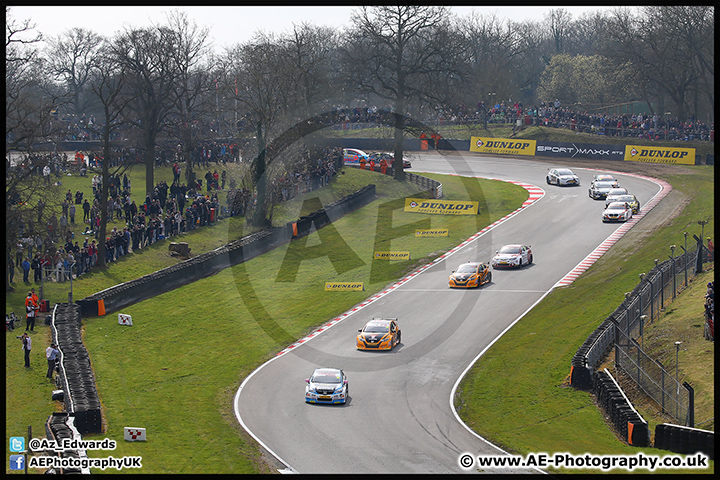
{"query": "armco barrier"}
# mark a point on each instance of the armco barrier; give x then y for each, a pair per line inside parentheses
(209, 263)
(76, 376)
(59, 427)
(628, 422)
(681, 439)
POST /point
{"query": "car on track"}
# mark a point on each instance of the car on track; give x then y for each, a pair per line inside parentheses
(469, 275)
(561, 176)
(617, 212)
(512, 256)
(379, 334)
(327, 385)
(628, 198)
(599, 189)
(603, 177)
(615, 192)
(352, 156)
(389, 158)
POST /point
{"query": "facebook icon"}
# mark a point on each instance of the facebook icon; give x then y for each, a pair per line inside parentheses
(17, 462)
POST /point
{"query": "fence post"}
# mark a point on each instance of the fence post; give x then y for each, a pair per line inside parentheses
(672, 257)
(691, 405)
(616, 340)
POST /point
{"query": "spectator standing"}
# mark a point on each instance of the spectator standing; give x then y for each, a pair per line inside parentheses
(36, 265)
(26, 346)
(46, 174)
(11, 268)
(30, 308)
(86, 211)
(26, 270)
(71, 213)
(51, 353)
(711, 249)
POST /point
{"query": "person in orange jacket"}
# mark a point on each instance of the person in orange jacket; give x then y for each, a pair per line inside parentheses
(30, 308)
(383, 166)
(372, 164)
(362, 163)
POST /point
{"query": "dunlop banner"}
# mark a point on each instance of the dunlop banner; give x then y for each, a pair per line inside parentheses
(392, 255)
(344, 286)
(443, 207)
(440, 232)
(502, 145)
(644, 153)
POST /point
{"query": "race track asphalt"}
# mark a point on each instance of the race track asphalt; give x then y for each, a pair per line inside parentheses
(399, 417)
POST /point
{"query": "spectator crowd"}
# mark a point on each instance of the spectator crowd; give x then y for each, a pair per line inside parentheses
(49, 248)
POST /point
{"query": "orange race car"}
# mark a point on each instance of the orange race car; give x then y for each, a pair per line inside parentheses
(468, 275)
(379, 334)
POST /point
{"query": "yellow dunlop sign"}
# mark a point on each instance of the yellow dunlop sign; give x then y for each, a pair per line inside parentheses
(343, 286)
(392, 255)
(444, 207)
(439, 232)
(644, 153)
(502, 145)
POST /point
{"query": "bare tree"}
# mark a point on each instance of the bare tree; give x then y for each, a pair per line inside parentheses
(650, 38)
(149, 63)
(309, 52)
(70, 58)
(193, 82)
(398, 50)
(257, 77)
(108, 83)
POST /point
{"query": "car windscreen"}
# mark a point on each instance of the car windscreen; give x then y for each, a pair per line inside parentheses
(508, 249)
(603, 185)
(326, 378)
(377, 327)
(466, 269)
(616, 206)
(564, 172)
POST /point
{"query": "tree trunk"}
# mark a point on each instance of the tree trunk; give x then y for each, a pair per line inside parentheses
(259, 217)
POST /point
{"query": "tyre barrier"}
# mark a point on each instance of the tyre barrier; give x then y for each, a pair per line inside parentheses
(687, 440)
(76, 376)
(627, 421)
(582, 365)
(61, 426)
(209, 263)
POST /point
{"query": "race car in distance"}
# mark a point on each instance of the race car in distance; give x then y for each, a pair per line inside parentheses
(352, 156)
(617, 212)
(599, 189)
(512, 256)
(628, 198)
(327, 385)
(389, 158)
(471, 274)
(379, 334)
(614, 192)
(562, 176)
(606, 178)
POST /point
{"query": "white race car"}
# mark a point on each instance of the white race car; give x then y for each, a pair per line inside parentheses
(512, 256)
(352, 156)
(327, 385)
(617, 212)
(562, 176)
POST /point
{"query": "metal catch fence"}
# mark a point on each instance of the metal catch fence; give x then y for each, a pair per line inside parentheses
(624, 327)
